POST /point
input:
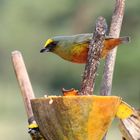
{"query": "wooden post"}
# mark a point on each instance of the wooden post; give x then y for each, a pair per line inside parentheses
(94, 55)
(115, 28)
(24, 83)
(27, 93)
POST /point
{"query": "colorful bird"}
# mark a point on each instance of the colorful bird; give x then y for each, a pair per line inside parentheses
(75, 48)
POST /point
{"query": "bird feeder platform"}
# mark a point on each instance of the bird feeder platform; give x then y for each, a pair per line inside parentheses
(76, 117)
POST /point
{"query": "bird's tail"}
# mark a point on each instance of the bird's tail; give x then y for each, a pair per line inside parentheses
(125, 39)
(111, 43)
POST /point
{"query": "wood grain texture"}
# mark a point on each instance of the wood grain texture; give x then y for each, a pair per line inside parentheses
(75, 117)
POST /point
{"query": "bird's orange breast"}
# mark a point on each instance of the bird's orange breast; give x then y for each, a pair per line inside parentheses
(79, 53)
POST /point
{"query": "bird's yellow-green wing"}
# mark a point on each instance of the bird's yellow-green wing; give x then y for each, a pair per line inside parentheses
(68, 41)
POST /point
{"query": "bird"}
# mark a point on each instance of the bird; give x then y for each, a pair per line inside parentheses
(74, 48)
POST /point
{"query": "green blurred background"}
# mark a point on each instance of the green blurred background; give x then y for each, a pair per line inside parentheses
(25, 26)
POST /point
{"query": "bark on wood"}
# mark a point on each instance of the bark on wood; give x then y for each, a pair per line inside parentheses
(93, 59)
(24, 82)
(130, 127)
(115, 28)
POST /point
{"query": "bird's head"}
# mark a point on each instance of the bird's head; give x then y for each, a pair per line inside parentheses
(49, 46)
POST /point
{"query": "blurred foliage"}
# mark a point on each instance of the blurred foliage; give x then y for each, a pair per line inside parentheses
(25, 25)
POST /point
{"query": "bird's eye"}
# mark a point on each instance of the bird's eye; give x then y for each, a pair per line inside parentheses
(51, 45)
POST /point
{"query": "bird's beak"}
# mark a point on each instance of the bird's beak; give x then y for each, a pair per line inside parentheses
(44, 50)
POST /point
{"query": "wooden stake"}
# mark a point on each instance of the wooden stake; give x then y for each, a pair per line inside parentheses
(94, 55)
(24, 82)
(115, 28)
